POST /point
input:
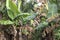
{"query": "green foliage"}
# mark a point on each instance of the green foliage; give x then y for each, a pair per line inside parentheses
(2, 5)
(14, 12)
(26, 6)
(53, 1)
(12, 9)
(32, 16)
(38, 30)
(6, 22)
(42, 25)
(23, 12)
(52, 9)
(58, 5)
(57, 33)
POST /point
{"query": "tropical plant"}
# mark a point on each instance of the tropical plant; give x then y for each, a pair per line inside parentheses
(31, 18)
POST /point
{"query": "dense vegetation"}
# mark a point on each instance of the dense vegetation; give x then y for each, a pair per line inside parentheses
(29, 20)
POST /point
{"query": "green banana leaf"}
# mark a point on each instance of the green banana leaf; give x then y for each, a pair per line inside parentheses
(12, 9)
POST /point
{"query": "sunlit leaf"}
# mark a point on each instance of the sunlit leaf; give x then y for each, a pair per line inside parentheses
(12, 9)
(6, 22)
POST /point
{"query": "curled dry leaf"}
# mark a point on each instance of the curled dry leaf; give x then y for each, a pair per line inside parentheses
(30, 29)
